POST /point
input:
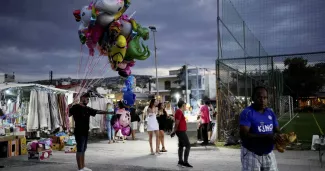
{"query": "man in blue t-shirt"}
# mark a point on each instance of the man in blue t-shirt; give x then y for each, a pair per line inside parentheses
(259, 130)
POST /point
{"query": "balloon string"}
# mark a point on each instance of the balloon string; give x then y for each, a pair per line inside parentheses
(80, 61)
(93, 82)
(89, 81)
(100, 80)
(85, 75)
(91, 70)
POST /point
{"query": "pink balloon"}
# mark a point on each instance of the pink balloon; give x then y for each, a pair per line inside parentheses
(126, 131)
(117, 125)
(125, 117)
(93, 35)
(96, 33)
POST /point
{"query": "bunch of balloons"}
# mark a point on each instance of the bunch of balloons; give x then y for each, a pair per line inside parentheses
(105, 27)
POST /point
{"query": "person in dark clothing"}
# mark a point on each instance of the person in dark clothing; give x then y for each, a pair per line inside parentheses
(162, 121)
(134, 121)
(2, 116)
(81, 114)
(180, 130)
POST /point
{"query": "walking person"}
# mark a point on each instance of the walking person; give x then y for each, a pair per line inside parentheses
(153, 126)
(180, 129)
(162, 120)
(110, 129)
(259, 130)
(81, 114)
(205, 120)
(134, 121)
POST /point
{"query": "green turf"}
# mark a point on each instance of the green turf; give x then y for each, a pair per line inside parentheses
(222, 144)
(304, 126)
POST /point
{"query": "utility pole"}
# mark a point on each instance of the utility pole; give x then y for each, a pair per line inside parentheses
(197, 84)
(186, 84)
(154, 30)
(51, 77)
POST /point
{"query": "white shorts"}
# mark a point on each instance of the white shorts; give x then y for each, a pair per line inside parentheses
(134, 125)
(252, 162)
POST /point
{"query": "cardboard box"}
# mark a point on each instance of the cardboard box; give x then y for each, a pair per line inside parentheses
(70, 149)
(58, 140)
(23, 146)
(57, 147)
(13, 148)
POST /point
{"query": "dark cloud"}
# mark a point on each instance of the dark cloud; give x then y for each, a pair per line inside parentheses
(39, 36)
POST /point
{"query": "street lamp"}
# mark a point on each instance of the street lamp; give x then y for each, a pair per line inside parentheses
(154, 30)
(177, 96)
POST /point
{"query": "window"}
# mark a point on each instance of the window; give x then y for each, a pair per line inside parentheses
(167, 98)
(167, 85)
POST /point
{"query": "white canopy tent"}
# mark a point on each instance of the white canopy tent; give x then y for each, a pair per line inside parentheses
(5, 86)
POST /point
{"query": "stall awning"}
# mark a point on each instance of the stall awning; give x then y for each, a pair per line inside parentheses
(5, 86)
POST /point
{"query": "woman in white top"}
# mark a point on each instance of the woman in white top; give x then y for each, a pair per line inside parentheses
(152, 125)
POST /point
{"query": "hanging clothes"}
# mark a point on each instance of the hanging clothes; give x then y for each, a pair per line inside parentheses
(43, 110)
(55, 118)
(94, 121)
(33, 116)
(62, 101)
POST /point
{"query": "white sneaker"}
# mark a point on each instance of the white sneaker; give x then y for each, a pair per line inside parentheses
(86, 169)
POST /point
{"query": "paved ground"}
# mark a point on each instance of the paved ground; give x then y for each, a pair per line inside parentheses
(134, 155)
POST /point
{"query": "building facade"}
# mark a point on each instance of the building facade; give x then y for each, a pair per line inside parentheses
(201, 84)
(7, 78)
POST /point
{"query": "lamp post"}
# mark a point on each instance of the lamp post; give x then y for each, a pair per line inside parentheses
(154, 30)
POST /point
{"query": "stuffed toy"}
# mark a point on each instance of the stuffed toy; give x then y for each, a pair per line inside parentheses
(288, 138)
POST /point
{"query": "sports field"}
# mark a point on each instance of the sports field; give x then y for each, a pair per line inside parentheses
(304, 126)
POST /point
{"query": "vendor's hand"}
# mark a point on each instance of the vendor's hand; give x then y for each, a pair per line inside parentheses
(172, 134)
(278, 138)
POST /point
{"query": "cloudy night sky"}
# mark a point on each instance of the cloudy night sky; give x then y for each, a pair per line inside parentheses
(41, 35)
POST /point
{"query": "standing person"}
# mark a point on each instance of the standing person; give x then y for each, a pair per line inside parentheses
(259, 130)
(110, 129)
(153, 125)
(180, 130)
(2, 116)
(162, 120)
(81, 114)
(134, 121)
(205, 120)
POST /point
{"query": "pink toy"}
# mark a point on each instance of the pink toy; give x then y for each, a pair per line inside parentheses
(126, 131)
(125, 117)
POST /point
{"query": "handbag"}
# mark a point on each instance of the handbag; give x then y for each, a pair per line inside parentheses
(141, 128)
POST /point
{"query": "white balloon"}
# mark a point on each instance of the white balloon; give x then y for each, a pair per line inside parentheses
(126, 28)
(105, 19)
(85, 15)
(110, 7)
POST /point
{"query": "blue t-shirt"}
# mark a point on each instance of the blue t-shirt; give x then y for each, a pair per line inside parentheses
(259, 123)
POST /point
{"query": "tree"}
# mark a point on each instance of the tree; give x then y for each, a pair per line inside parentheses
(301, 79)
(181, 78)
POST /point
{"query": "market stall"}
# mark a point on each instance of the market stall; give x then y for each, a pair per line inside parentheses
(30, 110)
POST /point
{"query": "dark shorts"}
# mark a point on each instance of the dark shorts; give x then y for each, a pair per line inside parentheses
(81, 143)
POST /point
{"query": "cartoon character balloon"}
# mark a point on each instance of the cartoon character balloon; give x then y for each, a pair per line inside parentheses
(125, 117)
(111, 10)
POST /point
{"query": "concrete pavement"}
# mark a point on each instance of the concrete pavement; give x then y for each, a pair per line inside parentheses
(134, 155)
